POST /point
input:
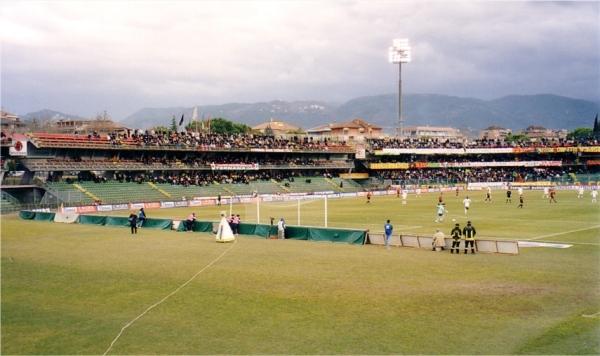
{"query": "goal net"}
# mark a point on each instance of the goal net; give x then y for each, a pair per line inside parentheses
(299, 211)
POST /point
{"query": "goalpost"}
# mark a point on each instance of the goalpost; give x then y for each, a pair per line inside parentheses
(308, 210)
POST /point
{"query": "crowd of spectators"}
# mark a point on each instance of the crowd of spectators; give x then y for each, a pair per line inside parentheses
(183, 140)
(472, 175)
(381, 143)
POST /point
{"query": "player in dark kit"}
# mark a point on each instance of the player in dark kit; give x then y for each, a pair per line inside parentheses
(508, 194)
(455, 234)
(520, 201)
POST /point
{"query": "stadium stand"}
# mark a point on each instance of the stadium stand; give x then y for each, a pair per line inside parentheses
(149, 166)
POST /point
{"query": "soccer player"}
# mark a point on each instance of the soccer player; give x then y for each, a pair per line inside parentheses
(368, 197)
(594, 195)
(508, 194)
(441, 198)
(457, 191)
(545, 195)
(580, 193)
(441, 210)
(488, 194)
(467, 203)
(520, 201)
(404, 196)
(418, 192)
(552, 193)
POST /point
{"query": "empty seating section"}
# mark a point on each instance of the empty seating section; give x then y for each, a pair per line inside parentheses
(69, 194)
(116, 192)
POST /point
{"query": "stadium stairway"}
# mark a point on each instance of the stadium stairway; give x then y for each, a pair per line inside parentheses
(333, 184)
(160, 190)
(86, 192)
(280, 185)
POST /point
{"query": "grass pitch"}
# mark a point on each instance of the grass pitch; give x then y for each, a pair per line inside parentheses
(81, 289)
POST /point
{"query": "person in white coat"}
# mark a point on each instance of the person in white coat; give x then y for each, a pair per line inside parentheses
(281, 229)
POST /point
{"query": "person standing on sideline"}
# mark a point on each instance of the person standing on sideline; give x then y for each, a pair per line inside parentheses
(133, 222)
(441, 210)
(469, 234)
(467, 203)
(388, 228)
(439, 240)
(508, 194)
(552, 193)
(219, 200)
(580, 193)
(235, 223)
(190, 222)
(594, 195)
(520, 201)
(404, 196)
(281, 229)
(545, 195)
(456, 233)
(141, 217)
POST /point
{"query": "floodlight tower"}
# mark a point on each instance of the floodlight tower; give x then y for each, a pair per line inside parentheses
(400, 53)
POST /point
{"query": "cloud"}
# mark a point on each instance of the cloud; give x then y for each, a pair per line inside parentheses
(86, 57)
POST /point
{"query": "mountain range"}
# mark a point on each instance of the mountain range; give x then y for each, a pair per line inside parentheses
(515, 112)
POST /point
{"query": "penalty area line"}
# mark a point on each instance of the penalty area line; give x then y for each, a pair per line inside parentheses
(562, 233)
(167, 297)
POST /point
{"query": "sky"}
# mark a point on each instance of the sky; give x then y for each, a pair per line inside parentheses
(89, 57)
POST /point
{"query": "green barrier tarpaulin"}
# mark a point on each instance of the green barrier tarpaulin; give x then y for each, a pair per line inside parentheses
(199, 226)
(27, 215)
(337, 235)
(160, 224)
(44, 216)
(92, 219)
(117, 221)
(296, 232)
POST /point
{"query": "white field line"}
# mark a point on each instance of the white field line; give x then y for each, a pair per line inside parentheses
(590, 315)
(563, 233)
(167, 297)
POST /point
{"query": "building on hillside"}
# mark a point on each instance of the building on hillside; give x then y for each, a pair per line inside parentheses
(278, 127)
(494, 133)
(440, 134)
(320, 131)
(540, 133)
(10, 122)
(356, 130)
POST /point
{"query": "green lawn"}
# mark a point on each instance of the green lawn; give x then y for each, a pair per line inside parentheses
(77, 289)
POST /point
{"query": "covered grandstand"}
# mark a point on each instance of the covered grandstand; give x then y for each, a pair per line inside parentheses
(71, 170)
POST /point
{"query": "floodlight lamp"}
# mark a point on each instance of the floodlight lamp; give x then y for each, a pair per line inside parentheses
(400, 51)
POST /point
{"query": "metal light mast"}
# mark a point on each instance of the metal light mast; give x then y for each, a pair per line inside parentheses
(400, 53)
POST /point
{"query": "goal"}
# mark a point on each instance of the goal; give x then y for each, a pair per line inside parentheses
(308, 210)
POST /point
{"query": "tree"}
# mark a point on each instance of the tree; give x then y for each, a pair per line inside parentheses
(518, 137)
(223, 126)
(580, 132)
(174, 124)
(596, 128)
(269, 131)
(297, 131)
